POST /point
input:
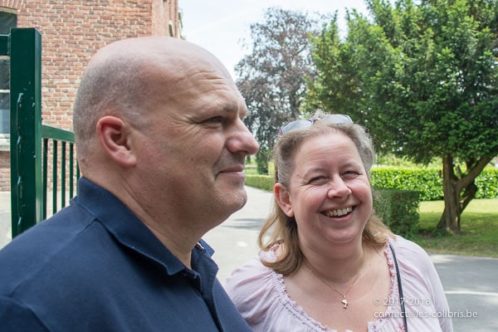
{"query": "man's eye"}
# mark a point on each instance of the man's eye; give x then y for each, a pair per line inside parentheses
(214, 120)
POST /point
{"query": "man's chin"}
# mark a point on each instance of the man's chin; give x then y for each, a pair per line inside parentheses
(236, 199)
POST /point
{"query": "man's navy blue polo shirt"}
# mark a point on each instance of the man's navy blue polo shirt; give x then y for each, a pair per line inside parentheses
(95, 267)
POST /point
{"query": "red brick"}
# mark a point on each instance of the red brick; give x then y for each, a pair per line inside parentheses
(71, 33)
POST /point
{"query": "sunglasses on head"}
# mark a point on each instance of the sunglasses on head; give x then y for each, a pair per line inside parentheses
(303, 124)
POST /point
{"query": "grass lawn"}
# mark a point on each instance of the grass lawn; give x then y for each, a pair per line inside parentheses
(479, 236)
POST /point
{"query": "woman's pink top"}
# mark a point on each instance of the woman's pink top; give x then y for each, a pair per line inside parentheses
(261, 297)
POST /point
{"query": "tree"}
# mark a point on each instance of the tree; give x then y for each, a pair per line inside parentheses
(424, 80)
(272, 77)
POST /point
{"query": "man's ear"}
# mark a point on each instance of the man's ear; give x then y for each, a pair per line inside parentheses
(114, 136)
(282, 197)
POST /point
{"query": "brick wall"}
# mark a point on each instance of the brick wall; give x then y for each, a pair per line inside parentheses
(72, 31)
(165, 19)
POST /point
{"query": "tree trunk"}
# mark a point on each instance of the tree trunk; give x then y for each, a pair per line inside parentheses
(450, 219)
(458, 191)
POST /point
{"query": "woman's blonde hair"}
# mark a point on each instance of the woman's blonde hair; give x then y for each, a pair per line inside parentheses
(281, 229)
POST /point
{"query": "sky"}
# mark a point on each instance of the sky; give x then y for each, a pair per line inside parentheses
(220, 26)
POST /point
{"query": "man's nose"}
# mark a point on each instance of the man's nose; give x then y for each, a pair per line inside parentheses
(242, 140)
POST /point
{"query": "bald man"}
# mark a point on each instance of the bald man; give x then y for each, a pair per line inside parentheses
(161, 147)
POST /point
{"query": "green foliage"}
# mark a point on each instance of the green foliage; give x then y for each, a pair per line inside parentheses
(264, 182)
(398, 209)
(390, 159)
(423, 78)
(414, 75)
(262, 158)
(487, 183)
(428, 181)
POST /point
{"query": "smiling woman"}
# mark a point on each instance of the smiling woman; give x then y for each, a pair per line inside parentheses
(327, 262)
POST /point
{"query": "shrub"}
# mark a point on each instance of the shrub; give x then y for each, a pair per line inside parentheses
(264, 182)
(487, 183)
(398, 209)
(428, 181)
(262, 159)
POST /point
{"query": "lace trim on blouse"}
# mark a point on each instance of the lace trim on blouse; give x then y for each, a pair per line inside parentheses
(373, 326)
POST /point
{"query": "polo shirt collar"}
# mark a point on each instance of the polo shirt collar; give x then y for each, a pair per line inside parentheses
(127, 229)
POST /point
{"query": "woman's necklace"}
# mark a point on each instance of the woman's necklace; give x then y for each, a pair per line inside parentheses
(344, 300)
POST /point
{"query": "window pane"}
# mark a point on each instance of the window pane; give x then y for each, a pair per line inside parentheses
(4, 74)
(7, 21)
(4, 113)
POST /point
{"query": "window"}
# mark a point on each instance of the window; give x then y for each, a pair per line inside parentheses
(4, 95)
(7, 20)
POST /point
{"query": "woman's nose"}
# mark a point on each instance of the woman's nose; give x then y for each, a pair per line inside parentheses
(338, 188)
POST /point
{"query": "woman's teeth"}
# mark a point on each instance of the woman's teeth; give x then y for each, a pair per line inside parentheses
(338, 212)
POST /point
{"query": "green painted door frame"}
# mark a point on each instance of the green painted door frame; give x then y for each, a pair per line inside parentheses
(23, 46)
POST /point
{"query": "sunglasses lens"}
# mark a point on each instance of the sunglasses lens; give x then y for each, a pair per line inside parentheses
(337, 119)
(295, 125)
(303, 124)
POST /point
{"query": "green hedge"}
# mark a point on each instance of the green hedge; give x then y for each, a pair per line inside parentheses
(427, 181)
(398, 209)
(487, 182)
(264, 182)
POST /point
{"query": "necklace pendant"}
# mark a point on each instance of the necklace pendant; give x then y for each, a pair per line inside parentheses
(344, 303)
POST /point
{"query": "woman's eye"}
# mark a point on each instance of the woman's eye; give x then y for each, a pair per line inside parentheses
(351, 174)
(318, 179)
